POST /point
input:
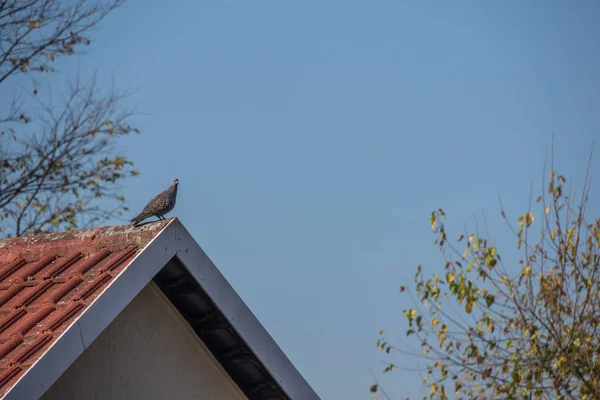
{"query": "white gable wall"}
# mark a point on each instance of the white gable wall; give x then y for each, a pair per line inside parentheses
(147, 352)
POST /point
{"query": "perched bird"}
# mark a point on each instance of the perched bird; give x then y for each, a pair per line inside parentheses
(160, 205)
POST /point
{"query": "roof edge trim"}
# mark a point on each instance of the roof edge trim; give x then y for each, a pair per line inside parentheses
(241, 318)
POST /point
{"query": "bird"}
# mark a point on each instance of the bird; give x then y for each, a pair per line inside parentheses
(160, 205)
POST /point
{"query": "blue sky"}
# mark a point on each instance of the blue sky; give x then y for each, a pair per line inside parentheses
(312, 140)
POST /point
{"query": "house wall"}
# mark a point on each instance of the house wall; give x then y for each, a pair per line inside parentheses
(147, 352)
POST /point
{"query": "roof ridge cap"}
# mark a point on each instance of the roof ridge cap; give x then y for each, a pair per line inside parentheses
(116, 237)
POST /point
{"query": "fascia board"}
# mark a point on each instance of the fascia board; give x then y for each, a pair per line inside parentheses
(241, 317)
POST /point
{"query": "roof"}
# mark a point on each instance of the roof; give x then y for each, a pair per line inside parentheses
(59, 291)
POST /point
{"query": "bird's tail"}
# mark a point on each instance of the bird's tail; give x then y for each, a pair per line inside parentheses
(139, 218)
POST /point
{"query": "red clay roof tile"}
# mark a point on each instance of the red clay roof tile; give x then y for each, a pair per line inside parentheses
(47, 281)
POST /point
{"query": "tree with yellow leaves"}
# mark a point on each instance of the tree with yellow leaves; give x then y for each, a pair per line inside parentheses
(58, 163)
(531, 331)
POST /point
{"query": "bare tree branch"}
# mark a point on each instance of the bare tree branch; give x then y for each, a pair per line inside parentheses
(59, 165)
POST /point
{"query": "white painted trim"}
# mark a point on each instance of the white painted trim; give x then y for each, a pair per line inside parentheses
(173, 240)
(241, 318)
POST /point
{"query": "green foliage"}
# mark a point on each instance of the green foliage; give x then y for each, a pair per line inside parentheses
(488, 331)
(59, 168)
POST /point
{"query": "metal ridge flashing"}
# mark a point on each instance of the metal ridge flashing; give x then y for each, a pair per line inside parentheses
(258, 340)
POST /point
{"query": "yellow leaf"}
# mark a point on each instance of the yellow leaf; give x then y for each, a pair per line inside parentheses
(548, 209)
(559, 362)
(529, 218)
(553, 235)
(465, 253)
(526, 219)
(435, 322)
(451, 277)
(526, 271)
(469, 307)
(433, 389)
(471, 236)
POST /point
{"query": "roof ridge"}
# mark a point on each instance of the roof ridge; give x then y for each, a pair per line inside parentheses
(116, 237)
